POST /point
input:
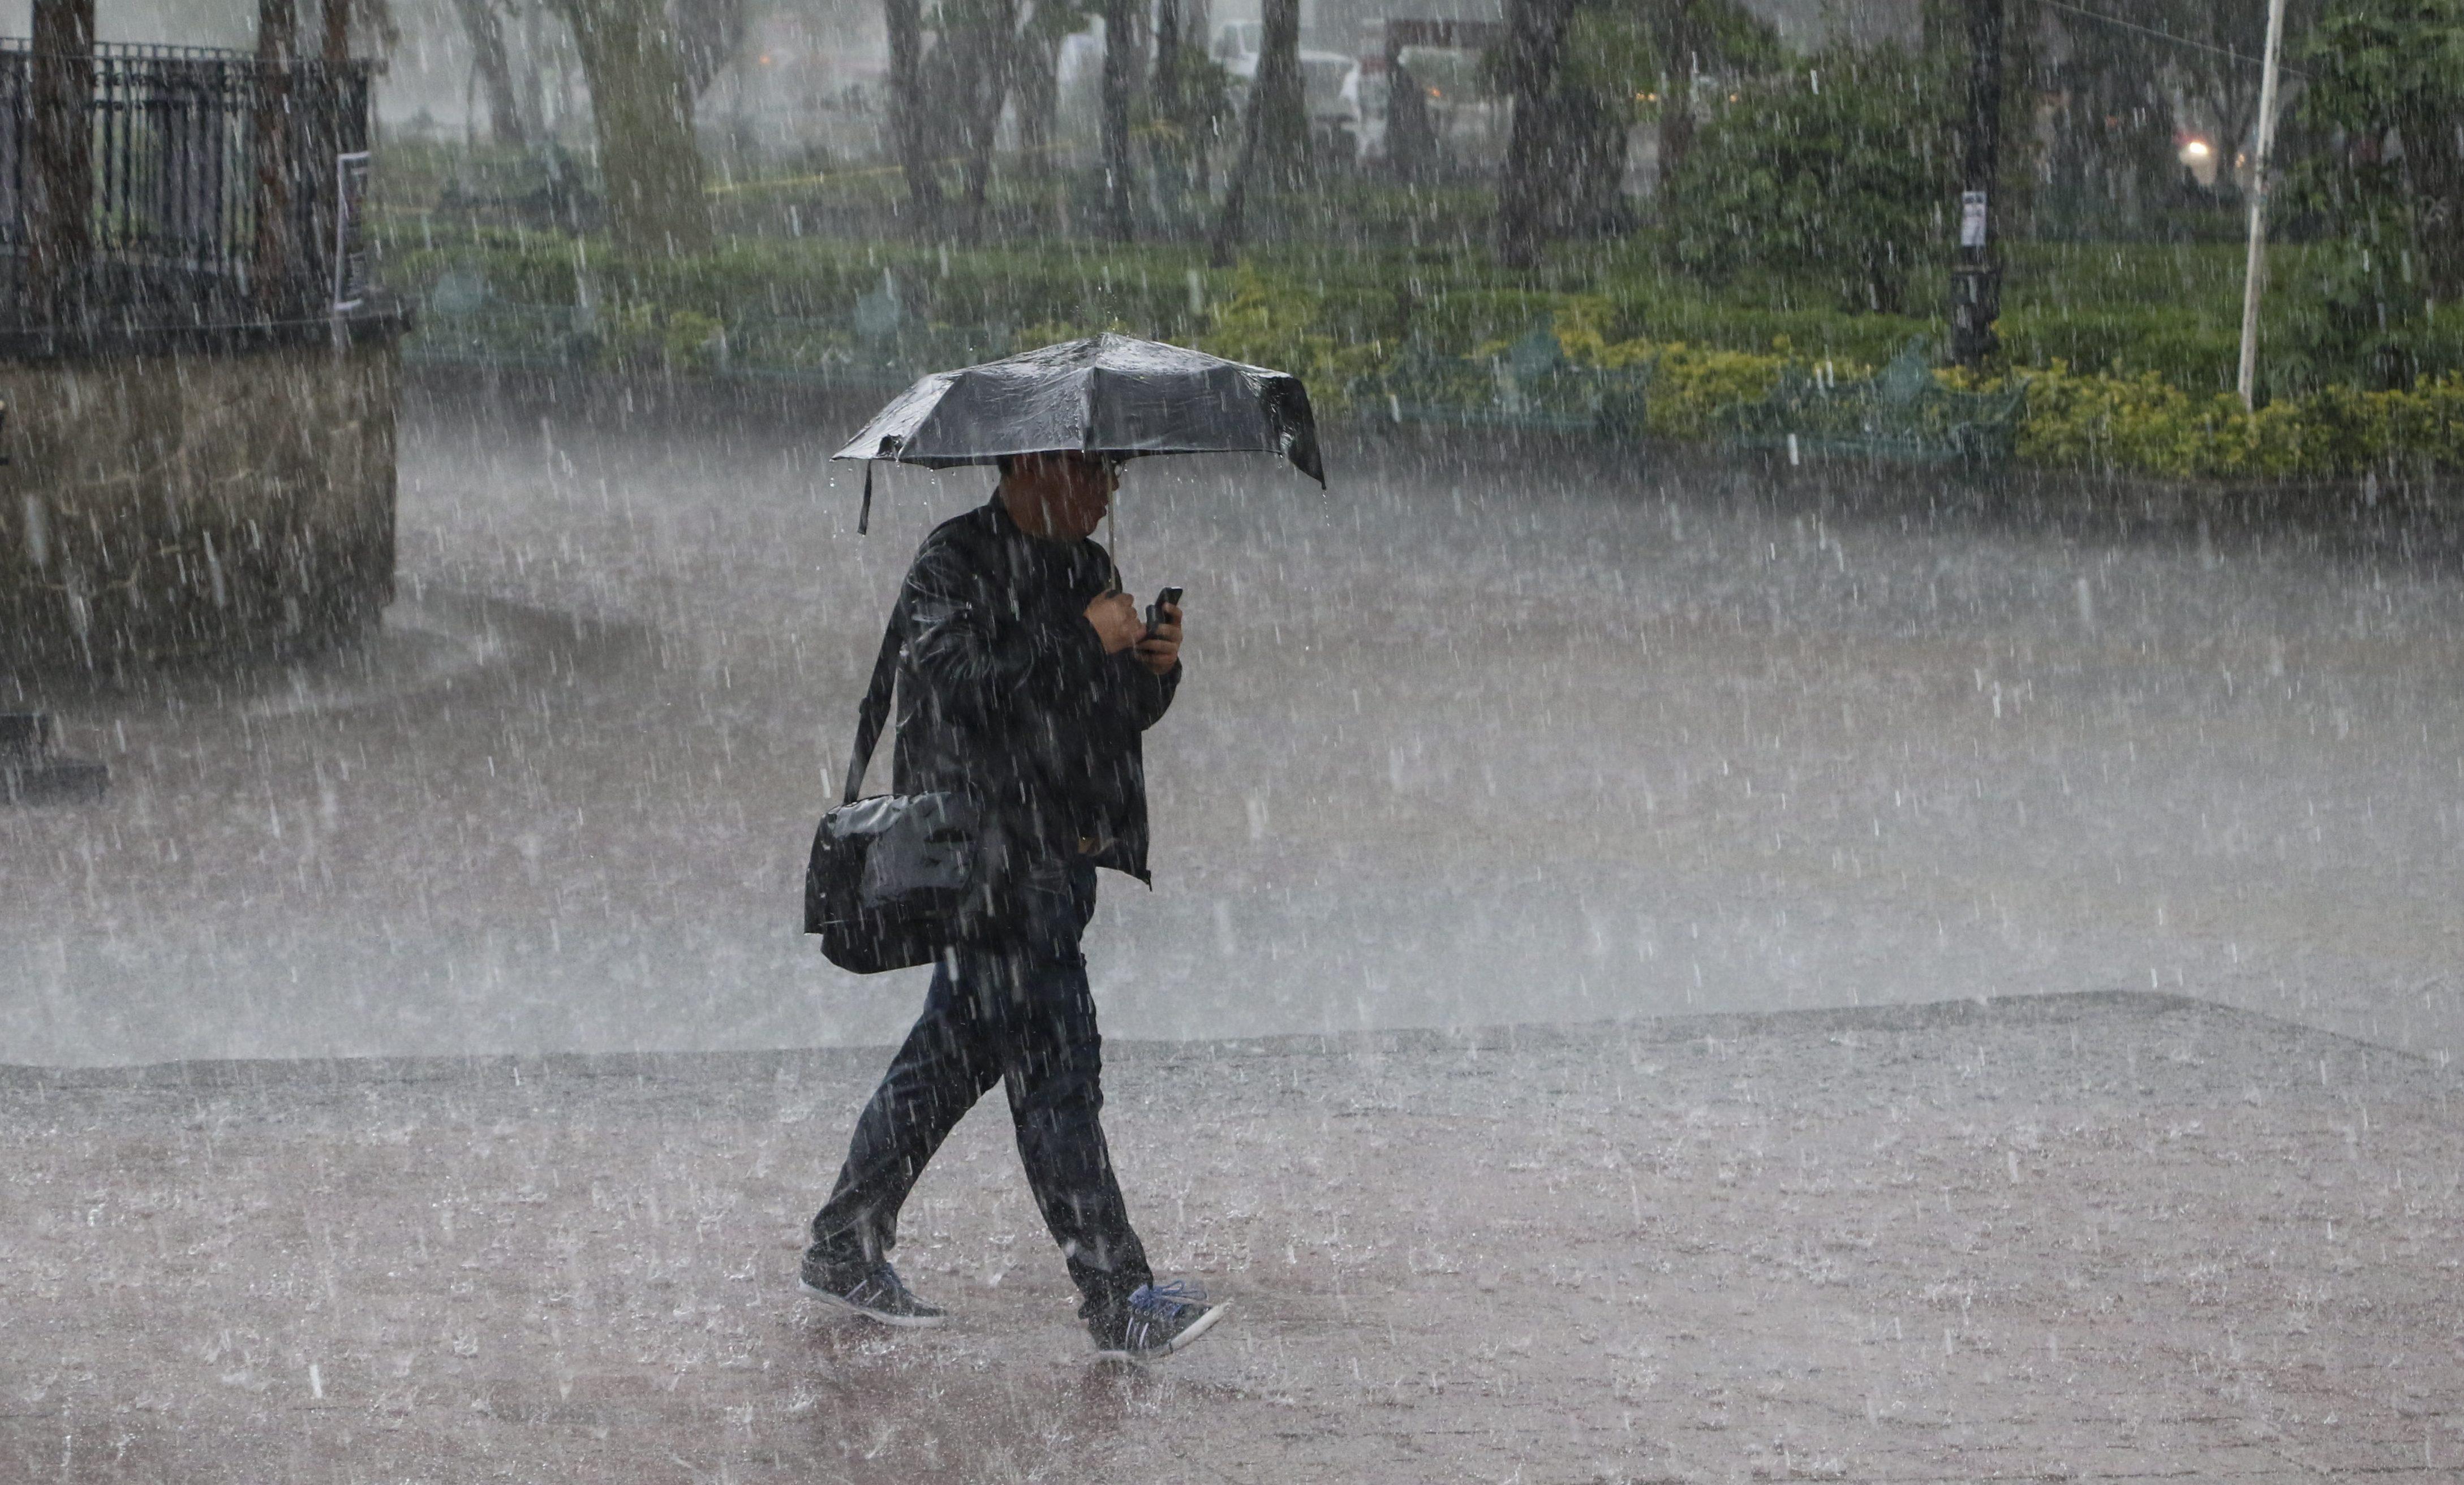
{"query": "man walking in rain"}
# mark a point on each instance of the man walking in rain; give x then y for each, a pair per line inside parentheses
(1025, 681)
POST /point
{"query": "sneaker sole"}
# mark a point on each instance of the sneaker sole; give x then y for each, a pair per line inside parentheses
(1179, 1343)
(877, 1316)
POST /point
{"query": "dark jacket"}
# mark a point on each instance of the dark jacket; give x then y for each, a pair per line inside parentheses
(1005, 693)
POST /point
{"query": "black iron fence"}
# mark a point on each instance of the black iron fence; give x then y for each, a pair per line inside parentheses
(203, 188)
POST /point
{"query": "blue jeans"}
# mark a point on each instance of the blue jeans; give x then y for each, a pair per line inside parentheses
(1014, 1010)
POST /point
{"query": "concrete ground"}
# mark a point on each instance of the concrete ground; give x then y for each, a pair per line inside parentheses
(1481, 736)
(2084, 1237)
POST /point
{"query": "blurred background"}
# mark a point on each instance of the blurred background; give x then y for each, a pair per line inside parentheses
(1801, 533)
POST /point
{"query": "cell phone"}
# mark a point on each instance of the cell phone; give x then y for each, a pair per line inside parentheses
(1154, 610)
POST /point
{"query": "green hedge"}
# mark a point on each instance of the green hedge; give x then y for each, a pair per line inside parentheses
(2138, 424)
(2142, 395)
(2145, 425)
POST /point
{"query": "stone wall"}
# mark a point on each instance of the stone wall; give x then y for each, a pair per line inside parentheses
(184, 504)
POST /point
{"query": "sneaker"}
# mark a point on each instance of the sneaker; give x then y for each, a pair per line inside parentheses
(873, 1291)
(1157, 1321)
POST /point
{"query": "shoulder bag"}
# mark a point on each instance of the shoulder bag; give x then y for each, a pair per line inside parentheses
(890, 873)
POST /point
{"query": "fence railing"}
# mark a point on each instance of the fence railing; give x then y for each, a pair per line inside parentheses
(215, 187)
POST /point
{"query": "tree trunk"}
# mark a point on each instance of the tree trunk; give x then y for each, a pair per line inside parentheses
(60, 178)
(1174, 140)
(2014, 204)
(1169, 104)
(1119, 53)
(488, 58)
(1678, 37)
(1411, 136)
(271, 269)
(1039, 101)
(1536, 56)
(531, 88)
(1676, 127)
(984, 73)
(1594, 135)
(336, 45)
(710, 33)
(908, 126)
(1274, 135)
(1278, 100)
(330, 129)
(643, 112)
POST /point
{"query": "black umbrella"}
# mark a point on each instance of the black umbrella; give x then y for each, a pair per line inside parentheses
(1109, 394)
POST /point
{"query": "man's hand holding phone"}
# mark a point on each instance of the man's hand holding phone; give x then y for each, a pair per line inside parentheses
(1160, 648)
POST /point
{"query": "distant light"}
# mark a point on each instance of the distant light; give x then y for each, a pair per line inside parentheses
(2193, 151)
(765, 58)
(1434, 92)
(1732, 98)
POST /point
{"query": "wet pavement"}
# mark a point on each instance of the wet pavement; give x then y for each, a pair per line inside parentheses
(1481, 738)
(2113, 1237)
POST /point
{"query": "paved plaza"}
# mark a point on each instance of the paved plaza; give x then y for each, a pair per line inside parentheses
(2119, 1237)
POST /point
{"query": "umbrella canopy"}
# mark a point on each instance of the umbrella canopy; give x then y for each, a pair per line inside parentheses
(1107, 394)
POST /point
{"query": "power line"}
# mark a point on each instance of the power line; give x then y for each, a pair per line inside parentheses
(2167, 36)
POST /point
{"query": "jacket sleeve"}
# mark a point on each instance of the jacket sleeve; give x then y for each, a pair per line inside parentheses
(968, 661)
(1145, 696)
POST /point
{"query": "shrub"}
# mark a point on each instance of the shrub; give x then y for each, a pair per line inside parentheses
(1838, 174)
(1690, 382)
(2145, 425)
(1276, 326)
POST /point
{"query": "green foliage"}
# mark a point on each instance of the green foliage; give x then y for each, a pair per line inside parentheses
(1724, 33)
(2128, 351)
(637, 338)
(2388, 72)
(2373, 63)
(2141, 424)
(1609, 54)
(1690, 383)
(2145, 425)
(1836, 173)
(1276, 326)
(2362, 316)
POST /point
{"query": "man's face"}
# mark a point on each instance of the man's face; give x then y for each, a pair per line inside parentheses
(1061, 496)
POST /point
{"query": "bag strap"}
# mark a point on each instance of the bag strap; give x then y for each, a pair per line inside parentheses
(875, 710)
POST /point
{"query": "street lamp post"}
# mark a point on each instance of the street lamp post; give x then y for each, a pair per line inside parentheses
(1976, 282)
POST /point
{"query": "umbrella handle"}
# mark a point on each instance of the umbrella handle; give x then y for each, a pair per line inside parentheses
(864, 518)
(1113, 539)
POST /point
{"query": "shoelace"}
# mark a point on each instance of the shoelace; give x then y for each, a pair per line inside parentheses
(1159, 1300)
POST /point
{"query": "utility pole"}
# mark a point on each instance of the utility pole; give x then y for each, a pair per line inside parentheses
(1976, 283)
(2253, 274)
